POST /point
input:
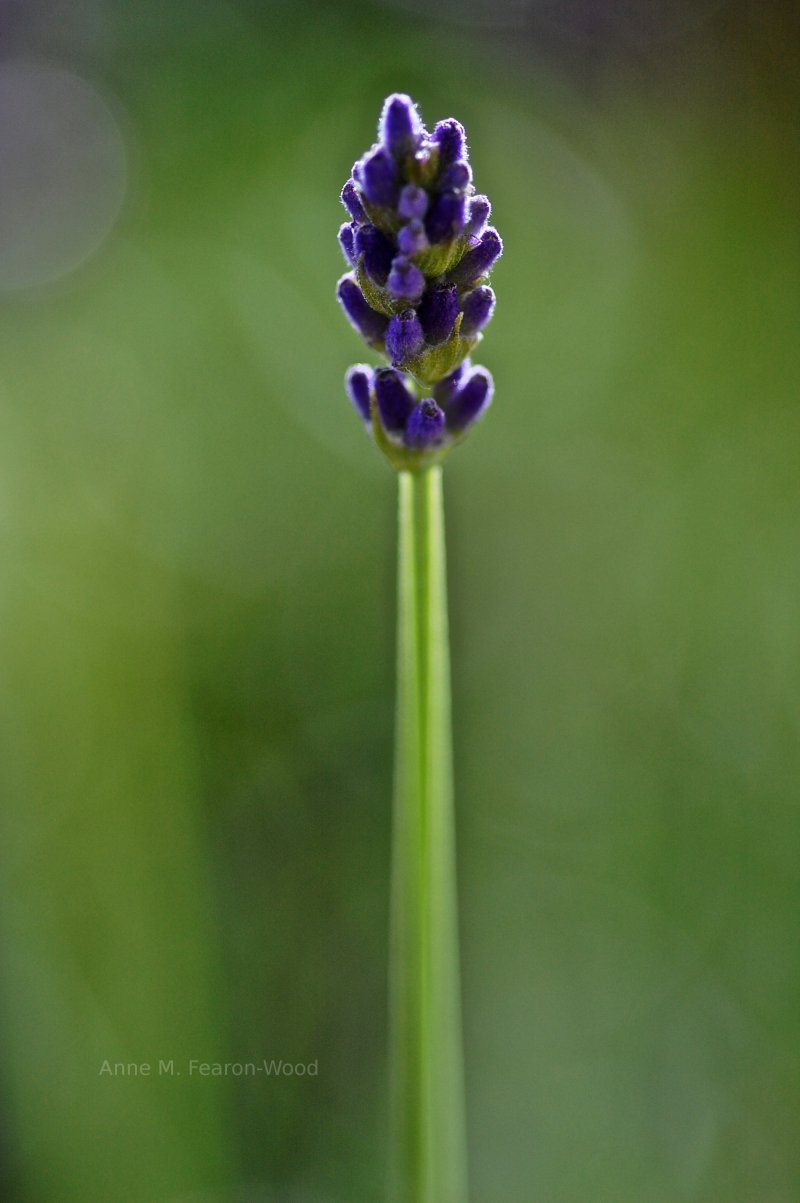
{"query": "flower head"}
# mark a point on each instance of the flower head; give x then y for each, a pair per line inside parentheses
(420, 251)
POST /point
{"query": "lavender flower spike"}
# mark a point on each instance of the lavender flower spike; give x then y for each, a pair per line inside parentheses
(420, 251)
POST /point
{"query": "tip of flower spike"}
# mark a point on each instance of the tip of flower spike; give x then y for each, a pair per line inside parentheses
(358, 383)
(425, 426)
(400, 128)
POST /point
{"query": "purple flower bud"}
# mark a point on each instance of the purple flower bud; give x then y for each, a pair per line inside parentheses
(452, 141)
(400, 126)
(406, 282)
(456, 177)
(412, 239)
(404, 336)
(479, 212)
(346, 243)
(394, 401)
(425, 426)
(376, 250)
(446, 389)
(370, 325)
(413, 201)
(477, 308)
(352, 202)
(379, 177)
(478, 261)
(438, 313)
(358, 383)
(472, 399)
(446, 217)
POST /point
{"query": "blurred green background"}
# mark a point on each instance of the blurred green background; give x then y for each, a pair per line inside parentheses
(197, 609)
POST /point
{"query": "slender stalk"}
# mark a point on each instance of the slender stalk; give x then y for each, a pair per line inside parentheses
(428, 1143)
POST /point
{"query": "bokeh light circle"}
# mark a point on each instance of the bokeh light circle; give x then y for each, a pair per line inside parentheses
(64, 173)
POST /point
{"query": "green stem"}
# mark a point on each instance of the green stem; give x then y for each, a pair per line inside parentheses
(428, 1144)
